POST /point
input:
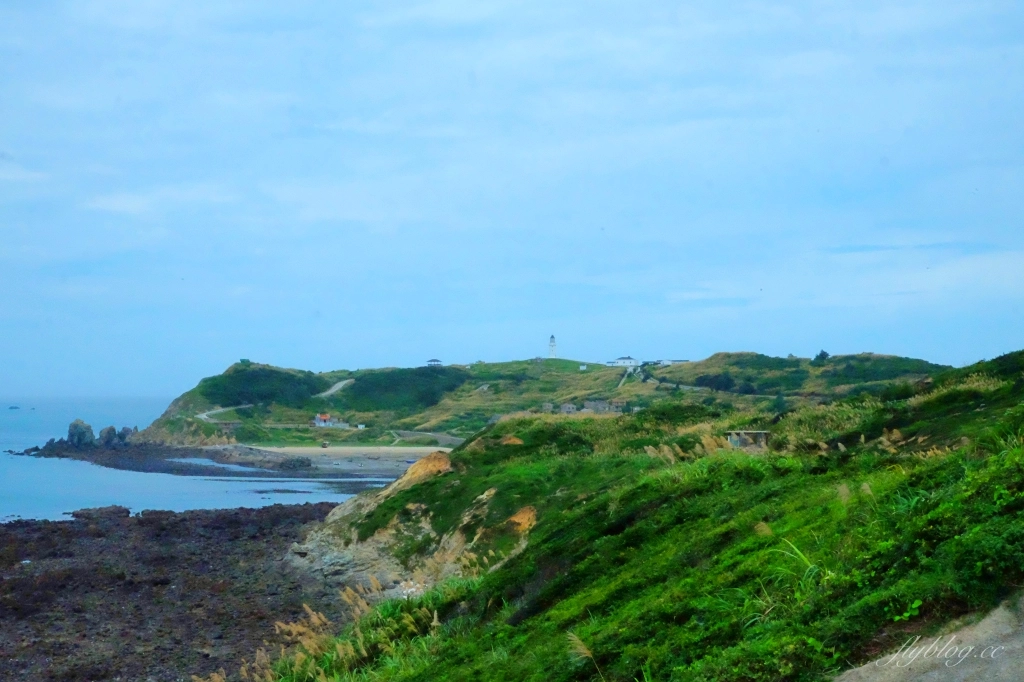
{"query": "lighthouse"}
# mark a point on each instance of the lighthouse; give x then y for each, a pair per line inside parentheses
(551, 347)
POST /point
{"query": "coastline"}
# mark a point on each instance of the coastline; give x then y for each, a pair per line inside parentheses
(244, 461)
(158, 596)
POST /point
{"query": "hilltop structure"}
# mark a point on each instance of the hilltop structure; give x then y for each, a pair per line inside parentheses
(625, 361)
(551, 348)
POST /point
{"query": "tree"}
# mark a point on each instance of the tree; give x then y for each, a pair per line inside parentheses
(820, 358)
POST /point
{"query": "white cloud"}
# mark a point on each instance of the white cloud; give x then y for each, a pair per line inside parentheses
(158, 200)
(10, 172)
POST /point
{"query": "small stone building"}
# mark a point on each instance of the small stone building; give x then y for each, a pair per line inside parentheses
(742, 440)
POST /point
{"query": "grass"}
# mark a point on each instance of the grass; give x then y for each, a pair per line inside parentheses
(461, 400)
(867, 521)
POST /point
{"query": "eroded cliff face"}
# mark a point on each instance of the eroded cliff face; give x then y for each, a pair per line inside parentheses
(409, 554)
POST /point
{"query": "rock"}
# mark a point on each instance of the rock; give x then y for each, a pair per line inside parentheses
(125, 433)
(108, 437)
(113, 511)
(524, 519)
(80, 435)
(434, 464)
(296, 463)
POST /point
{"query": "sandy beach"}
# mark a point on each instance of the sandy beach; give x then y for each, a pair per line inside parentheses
(379, 461)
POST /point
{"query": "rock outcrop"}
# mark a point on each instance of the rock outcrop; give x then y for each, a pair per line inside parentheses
(80, 435)
(335, 553)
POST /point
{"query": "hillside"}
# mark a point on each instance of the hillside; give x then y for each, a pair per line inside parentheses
(460, 400)
(644, 547)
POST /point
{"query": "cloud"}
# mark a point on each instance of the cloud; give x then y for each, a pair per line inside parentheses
(11, 172)
(158, 200)
(961, 247)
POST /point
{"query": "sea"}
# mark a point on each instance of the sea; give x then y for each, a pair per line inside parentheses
(38, 488)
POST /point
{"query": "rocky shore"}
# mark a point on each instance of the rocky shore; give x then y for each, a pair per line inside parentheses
(163, 459)
(155, 597)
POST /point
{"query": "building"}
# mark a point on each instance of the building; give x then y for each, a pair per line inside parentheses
(552, 348)
(626, 361)
(597, 406)
(756, 440)
(567, 408)
(583, 368)
(547, 407)
(434, 362)
(323, 420)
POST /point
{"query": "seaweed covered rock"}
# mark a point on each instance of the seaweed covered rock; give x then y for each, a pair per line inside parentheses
(80, 435)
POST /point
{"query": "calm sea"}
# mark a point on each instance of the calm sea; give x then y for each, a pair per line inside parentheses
(38, 419)
(34, 488)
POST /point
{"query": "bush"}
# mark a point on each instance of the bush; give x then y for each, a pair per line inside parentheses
(716, 382)
(400, 389)
(900, 391)
(243, 384)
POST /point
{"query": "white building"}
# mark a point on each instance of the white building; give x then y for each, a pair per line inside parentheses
(323, 420)
(624, 362)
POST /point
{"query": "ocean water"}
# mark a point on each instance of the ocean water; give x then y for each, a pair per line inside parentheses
(39, 419)
(37, 488)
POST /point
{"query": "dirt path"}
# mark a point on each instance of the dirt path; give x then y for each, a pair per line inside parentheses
(334, 389)
(205, 416)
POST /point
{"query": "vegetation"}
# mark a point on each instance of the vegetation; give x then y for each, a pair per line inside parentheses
(461, 400)
(400, 390)
(660, 554)
(245, 383)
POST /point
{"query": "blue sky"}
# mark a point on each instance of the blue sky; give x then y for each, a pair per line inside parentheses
(328, 185)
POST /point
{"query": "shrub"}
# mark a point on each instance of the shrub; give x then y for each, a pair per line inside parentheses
(245, 384)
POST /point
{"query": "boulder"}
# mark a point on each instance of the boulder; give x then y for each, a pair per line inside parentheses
(113, 511)
(80, 435)
(108, 437)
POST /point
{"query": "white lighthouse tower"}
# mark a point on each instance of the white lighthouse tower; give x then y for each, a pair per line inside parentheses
(551, 348)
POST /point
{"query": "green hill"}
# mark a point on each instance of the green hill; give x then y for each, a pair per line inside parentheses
(460, 400)
(667, 555)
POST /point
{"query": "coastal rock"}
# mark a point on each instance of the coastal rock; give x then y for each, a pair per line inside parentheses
(111, 512)
(336, 553)
(156, 597)
(80, 435)
(125, 434)
(108, 437)
(434, 464)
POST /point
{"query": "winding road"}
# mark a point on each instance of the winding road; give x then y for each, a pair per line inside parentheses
(334, 389)
(205, 416)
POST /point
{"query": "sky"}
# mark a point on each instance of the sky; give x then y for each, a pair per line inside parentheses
(332, 185)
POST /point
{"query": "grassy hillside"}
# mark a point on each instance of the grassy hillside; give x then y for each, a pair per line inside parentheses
(654, 552)
(460, 400)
